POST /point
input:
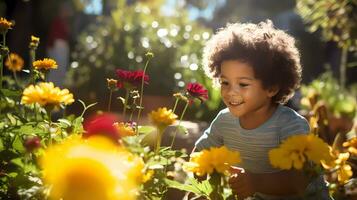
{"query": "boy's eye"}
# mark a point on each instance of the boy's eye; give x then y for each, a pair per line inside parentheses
(223, 82)
(243, 84)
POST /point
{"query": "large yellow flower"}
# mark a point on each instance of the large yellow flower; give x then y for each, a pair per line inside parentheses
(296, 150)
(216, 158)
(14, 62)
(5, 25)
(162, 117)
(91, 169)
(45, 64)
(46, 94)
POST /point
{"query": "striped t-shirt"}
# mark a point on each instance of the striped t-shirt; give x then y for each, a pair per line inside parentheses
(253, 145)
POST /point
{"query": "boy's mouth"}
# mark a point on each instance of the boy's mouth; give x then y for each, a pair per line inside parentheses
(235, 103)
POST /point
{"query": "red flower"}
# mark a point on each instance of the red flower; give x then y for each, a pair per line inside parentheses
(102, 125)
(32, 143)
(196, 90)
(131, 77)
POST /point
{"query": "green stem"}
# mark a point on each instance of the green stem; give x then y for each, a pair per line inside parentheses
(49, 127)
(215, 180)
(32, 59)
(126, 102)
(16, 80)
(110, 99)
(343, 64)
(132, 112)
(35, 108)
(142, 88)
(158, 140)
(181, 117)
(176, 102)
(2, 59)
(1, 69)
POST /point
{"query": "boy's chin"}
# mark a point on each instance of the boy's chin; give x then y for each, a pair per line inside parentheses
(234, 112)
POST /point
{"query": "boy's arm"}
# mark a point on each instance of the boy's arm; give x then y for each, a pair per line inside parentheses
(289, 182)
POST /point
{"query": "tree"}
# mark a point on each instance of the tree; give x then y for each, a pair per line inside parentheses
(337, 19)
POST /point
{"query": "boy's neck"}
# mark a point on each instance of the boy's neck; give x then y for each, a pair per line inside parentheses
(258, 118)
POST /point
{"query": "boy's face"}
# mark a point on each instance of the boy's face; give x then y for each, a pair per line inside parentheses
(242, 93)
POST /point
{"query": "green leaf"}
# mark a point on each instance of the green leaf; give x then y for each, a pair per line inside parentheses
(146, 129)
(182, 186)
(77, 125)
(17, 144)
(12, 119)
(64, 123)
(10, 93)
(122, 100)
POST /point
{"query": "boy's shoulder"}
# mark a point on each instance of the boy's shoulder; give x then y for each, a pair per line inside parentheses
(224, 116)
(287, 115)
(291, 122)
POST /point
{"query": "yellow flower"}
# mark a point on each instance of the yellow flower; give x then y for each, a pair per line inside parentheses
(296, 150)
(34, 42)
(91, 169)
(216, 158)
(162, 117)
(14, 62)
(352, 145)
(4, 25)
(148, 175)
(344, 173)
(343, 170)
(112, 84)
(46, 94)
(124, 129)
(45, 64)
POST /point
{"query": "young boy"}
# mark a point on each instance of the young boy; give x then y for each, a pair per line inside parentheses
(258, 69)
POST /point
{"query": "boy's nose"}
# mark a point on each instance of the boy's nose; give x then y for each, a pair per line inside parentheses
(233, 91)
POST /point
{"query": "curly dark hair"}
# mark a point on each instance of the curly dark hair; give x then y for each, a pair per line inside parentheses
(271, 52)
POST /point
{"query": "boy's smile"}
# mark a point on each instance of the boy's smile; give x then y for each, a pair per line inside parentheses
(244, 95)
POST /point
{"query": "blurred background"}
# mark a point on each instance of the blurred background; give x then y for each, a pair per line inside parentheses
(90, 39)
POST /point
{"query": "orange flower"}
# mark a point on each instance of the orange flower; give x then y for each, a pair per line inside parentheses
(14, 62)
(124, 129)
(4, 25)
(45, 64)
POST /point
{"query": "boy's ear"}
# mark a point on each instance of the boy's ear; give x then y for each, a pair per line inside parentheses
(272, 91)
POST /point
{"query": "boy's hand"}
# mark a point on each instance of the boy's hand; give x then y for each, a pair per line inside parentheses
(241, 182)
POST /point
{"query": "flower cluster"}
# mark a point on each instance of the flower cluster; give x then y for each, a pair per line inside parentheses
(95, 168)
(46, 94)
(340, 166)
(214, 159)
(297, 150)
(351, 146)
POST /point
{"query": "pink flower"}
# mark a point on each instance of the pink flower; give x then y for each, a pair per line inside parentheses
(196, 90)
(132, 77)
(32, 143)
(102, 125)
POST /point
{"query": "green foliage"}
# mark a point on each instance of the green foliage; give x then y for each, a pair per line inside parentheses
(335, 18)
(121, 40)
(338, 101)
